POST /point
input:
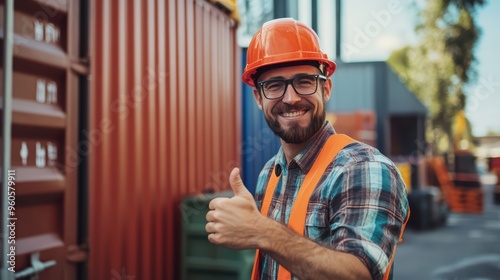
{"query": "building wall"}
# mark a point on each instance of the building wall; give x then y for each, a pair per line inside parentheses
(164, 122)
(354, 87)
(373, 87)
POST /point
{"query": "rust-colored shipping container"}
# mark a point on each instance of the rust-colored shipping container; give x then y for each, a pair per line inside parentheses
(164, 123)
(45, 91)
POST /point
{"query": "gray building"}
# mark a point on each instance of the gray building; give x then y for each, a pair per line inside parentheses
(374, 87)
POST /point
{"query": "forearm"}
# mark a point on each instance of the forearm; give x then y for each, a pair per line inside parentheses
(307, 259)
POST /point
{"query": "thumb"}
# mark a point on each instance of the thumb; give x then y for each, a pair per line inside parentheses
(237, 185)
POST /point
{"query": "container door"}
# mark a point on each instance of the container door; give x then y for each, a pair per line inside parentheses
(45, 156)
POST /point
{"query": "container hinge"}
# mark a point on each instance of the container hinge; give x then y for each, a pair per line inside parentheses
(81, 65)
(36, 267)
(77, 253)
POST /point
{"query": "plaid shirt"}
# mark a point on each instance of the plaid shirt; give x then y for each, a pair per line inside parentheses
(358, 207)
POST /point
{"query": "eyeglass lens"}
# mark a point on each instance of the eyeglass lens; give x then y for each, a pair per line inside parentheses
(304, 85)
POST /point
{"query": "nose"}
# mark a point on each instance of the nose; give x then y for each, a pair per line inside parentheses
(290, 97)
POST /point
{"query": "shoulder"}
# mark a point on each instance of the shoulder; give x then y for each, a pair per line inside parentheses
(361, 175)
(359, 159)
(361, 153)
(361, 163)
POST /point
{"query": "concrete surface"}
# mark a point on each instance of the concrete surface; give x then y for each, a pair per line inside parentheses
(466, 248)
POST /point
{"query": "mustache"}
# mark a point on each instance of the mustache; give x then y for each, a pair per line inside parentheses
(284, 107)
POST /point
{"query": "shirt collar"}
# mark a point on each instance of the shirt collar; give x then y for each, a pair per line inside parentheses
(305, 159)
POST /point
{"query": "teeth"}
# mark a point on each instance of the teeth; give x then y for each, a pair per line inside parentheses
(293, 114)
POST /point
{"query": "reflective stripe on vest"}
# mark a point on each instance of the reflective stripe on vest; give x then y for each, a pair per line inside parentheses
(296, 222)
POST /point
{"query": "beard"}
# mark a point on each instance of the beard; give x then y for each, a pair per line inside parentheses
(296, 134)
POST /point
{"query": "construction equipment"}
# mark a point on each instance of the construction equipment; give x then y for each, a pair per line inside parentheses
(494, 166)
(459, 199)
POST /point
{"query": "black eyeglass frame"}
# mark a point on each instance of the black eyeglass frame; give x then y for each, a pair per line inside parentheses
(290, 82)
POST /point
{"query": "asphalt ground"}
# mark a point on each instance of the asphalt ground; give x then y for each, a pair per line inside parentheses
(467, 247)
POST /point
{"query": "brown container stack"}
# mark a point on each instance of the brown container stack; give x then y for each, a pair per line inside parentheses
(46, 82)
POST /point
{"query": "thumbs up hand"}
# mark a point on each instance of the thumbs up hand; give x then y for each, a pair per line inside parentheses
(232, 222)
(237, 185)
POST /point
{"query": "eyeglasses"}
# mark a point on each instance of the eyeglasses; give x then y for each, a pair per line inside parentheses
(302, 84)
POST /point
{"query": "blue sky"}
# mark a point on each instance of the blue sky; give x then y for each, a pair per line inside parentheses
(373, 29)
(484, 96)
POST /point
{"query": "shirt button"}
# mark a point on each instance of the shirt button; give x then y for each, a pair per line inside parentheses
(277, 170)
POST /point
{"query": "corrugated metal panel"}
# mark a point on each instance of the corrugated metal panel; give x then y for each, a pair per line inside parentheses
(259, 143)
(165, 121)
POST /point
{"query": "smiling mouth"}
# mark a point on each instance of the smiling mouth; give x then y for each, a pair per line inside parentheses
(293, 114)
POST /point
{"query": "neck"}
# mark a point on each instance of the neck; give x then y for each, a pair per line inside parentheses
(292, 150)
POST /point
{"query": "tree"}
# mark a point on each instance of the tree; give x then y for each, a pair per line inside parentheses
(438, 68)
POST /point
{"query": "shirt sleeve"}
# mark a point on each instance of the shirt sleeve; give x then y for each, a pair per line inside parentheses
(371, 209)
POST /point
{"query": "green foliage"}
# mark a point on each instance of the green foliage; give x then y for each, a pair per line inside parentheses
(438, 68)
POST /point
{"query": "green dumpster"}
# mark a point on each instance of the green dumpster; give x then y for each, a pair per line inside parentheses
(202, 260)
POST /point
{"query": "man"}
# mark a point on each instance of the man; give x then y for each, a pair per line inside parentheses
(332, 208)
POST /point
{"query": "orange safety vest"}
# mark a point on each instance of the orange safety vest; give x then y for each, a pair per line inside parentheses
(333, 145)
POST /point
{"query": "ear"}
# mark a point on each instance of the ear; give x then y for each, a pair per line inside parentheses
(258, 98)
(327, 87)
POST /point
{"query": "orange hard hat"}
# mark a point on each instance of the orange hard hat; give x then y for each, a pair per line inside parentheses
(280, 41)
